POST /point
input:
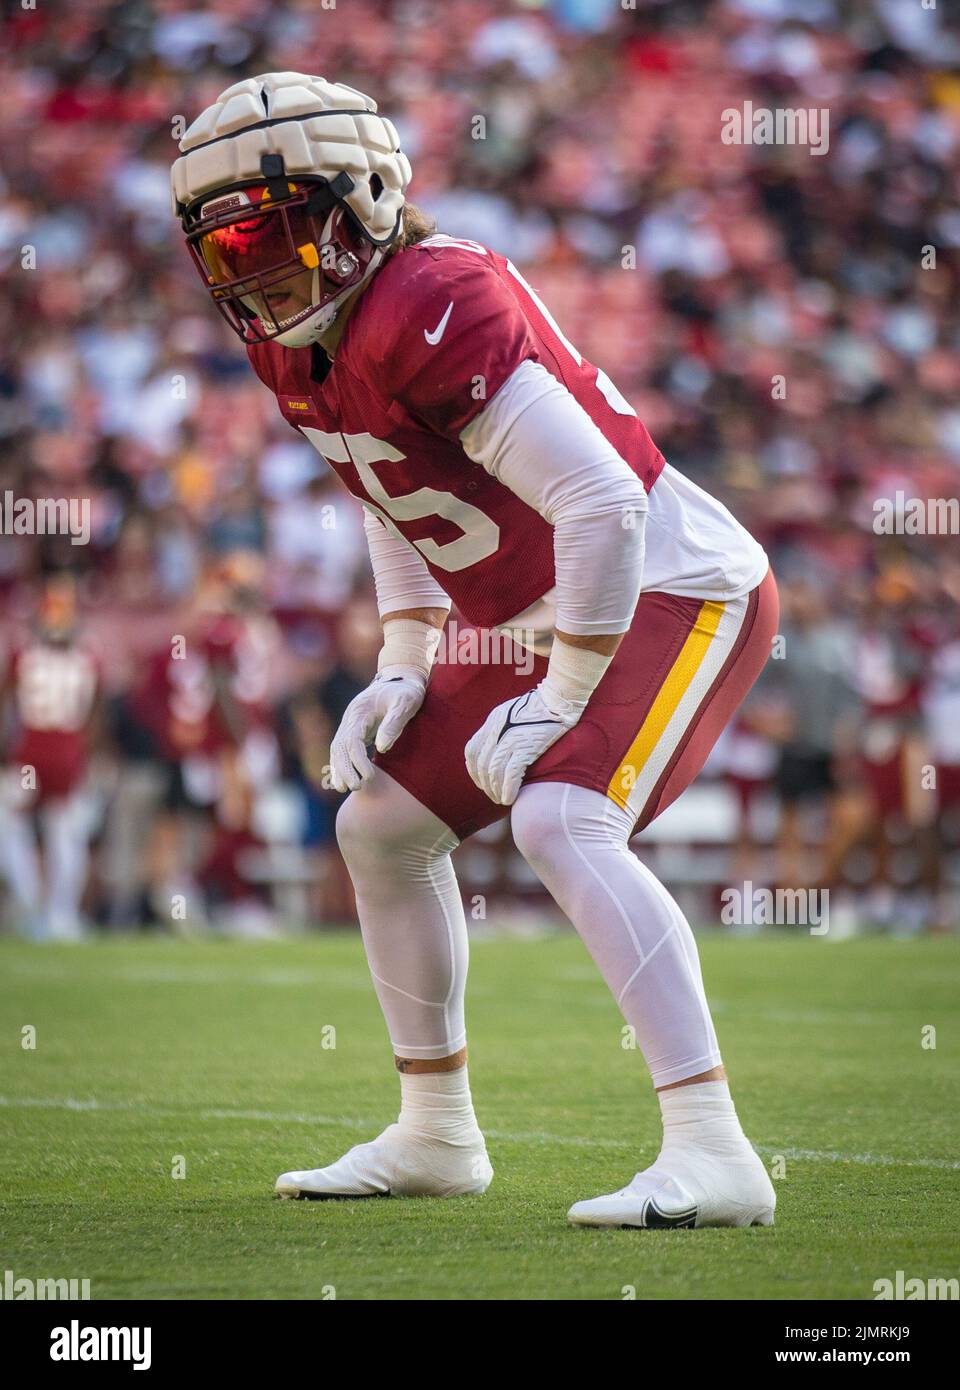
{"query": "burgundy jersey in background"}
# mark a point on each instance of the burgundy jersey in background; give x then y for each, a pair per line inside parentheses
(54, 690)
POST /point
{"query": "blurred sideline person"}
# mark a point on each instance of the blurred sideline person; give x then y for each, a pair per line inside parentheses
(893, 657)
(501, 472)
(306, 733)
(941, 716)
(51, 685)
(814, 685)
(203, 713)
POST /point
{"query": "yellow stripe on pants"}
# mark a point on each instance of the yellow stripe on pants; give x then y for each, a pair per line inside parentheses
(677, 682)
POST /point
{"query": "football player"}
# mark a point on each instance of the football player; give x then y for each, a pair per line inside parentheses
(502, 472)
(53, 685)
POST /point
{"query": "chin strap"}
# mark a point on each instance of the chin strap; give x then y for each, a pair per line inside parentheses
(319, 322)
(310, 329)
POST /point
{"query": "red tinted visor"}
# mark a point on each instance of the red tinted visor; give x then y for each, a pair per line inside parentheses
(244, 249)
(268, 265)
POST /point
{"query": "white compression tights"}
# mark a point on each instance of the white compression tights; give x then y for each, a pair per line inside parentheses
(575, 840)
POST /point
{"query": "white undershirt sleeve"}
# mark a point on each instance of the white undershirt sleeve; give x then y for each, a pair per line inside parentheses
(399, 571)
(537, 439)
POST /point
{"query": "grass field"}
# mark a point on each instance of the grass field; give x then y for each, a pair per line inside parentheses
(213, 1051)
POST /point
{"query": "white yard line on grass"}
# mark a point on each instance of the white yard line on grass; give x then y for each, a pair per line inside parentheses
(335, 977)
(506, 1136)
(343, 977)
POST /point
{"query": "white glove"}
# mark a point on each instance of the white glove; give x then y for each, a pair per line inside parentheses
(513, 736)
(516, 733)
(378, 714)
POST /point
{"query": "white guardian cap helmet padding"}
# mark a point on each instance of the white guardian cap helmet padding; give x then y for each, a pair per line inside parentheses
(285, 174)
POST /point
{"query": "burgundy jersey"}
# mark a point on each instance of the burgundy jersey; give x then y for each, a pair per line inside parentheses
(432, 339)
(245, 650)
(54, 688)
(176, 701)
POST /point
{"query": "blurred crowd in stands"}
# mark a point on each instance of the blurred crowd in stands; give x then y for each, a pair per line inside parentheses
(786, 323)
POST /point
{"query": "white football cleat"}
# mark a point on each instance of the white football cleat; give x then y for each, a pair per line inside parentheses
(674, 1192)
(397, 1164)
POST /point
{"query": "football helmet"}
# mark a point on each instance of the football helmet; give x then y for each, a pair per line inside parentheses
(290, 189)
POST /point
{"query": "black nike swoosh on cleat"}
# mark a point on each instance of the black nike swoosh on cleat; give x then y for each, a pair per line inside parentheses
(656, 1220)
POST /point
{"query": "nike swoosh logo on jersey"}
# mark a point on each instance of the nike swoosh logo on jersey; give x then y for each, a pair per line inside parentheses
(434, 337)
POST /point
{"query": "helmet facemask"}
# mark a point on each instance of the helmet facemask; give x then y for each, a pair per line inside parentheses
(279, 267)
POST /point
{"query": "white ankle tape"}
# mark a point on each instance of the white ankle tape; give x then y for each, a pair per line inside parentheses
(438, 1104)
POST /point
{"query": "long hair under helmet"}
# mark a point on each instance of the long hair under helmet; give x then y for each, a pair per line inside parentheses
(290, 189)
